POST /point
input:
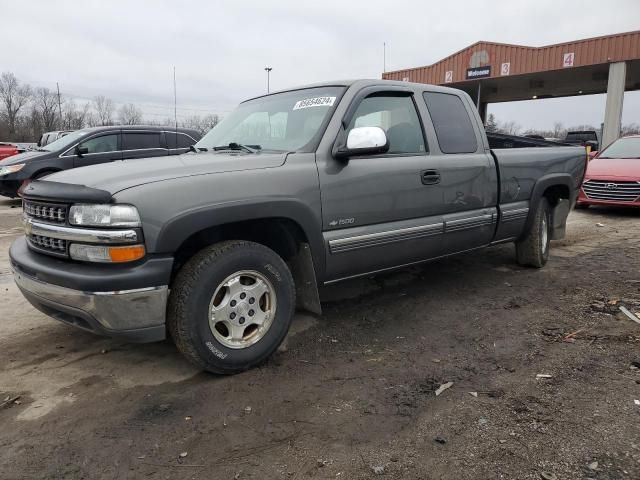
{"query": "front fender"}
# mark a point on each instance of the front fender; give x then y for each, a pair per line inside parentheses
(179, 228)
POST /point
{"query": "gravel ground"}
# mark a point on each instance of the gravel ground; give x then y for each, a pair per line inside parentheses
(351, 395)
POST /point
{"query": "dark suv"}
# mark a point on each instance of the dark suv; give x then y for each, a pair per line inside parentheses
(92, 146)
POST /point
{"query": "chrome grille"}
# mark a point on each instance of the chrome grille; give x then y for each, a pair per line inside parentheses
(54, 246)
(48, 212)
(611, 190)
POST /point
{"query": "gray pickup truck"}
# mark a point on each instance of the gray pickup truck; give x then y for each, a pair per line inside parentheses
(217, 247)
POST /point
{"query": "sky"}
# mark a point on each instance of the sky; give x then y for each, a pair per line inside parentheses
(127, 50)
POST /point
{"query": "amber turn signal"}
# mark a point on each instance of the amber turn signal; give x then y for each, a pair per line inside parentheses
(126, 254)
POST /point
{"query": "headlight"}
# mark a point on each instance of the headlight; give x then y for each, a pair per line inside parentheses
(11, 169)
(106, 254)
(104, 215)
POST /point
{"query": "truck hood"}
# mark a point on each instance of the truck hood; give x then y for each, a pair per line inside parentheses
(614, 167)
(22, 157)
(120, 175)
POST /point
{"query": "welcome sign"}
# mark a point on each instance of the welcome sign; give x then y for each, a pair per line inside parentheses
(478, 72)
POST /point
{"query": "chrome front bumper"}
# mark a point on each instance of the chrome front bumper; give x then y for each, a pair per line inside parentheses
(135, 315)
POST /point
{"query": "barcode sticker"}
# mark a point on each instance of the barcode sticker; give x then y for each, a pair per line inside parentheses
(315, 102)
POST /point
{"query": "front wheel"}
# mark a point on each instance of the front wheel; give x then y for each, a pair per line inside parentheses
(533, 249)
(231, 306)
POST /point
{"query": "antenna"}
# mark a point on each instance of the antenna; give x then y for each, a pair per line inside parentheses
(59, 107)
(384, 57)
(175, 105)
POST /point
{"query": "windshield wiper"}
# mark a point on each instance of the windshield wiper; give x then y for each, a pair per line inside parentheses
(238, 146)
(41, 150)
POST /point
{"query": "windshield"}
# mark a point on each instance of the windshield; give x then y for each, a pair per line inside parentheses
(286, 122)
(64, 142)
(623, 148)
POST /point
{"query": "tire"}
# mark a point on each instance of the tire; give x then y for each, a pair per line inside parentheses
(203, 320)
(533, 249)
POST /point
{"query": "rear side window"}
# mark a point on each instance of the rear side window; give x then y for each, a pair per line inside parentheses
(141, 140)
(185, 141)
(179, 140)
(451, 122)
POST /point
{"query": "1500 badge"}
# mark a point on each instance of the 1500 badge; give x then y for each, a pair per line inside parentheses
(341, 221)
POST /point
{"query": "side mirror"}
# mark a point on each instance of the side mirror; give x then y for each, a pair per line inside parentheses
(364, 141)
(80, 151)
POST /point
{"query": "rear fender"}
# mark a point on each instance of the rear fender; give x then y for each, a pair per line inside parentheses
(560, 211)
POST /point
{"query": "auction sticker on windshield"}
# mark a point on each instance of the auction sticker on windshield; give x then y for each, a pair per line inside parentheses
(315, 102)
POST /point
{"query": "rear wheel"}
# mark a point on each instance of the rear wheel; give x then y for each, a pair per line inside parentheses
(231, 306)
(533, 249)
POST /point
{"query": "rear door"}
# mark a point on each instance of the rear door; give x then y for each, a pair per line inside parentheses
(143, 144)
(467, 172)
(101, 148)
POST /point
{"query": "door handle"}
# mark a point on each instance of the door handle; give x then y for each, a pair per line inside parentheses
(430, 177)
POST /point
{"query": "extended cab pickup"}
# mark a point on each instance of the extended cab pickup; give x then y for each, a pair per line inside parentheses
(295, 189)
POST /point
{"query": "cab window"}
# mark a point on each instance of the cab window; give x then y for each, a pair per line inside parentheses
(451, 122)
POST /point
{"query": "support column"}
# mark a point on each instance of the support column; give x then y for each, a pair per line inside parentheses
(615, 101)
(483, 112)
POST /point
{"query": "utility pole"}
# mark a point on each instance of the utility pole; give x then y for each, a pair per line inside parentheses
(268, 70)
(59, 106)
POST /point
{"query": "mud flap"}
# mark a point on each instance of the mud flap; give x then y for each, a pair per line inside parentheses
(559, 215)
(304, 275)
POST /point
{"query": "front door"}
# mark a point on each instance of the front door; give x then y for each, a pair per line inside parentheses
(383, 210)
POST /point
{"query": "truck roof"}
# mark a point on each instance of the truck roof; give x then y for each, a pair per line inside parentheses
(365, 83)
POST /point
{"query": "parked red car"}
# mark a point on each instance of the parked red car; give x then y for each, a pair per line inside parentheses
(613, 176)
(8, 149)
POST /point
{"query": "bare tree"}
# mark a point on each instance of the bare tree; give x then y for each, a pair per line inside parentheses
(34, 122)
(46, 104)
(209, 121)
(129, 114)
(558, 130)
(74, 117)
(14, 96)
(630, 129)
(510, 128)
(492, 123)
(581, 127)
(201, 124)
(104, 109)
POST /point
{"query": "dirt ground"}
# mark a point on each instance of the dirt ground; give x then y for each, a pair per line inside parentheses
(351, 396)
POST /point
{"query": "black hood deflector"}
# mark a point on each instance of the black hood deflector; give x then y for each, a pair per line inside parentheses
(63, 192)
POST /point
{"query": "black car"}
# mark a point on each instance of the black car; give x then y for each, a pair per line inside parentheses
(91, 146)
